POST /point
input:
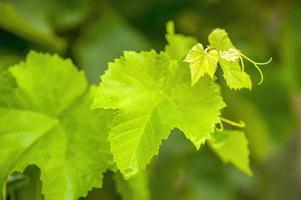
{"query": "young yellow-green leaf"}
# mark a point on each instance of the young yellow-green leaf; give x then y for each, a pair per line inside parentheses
(201, 62)
(229, 60)
(45, 120)
(218, 39)
(232, 146)
(152, 94)
(234, 76)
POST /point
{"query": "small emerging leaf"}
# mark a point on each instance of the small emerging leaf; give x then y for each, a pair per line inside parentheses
(230, 54)
(201, 62)
(234, 76)
(229, 60)
(218, 39)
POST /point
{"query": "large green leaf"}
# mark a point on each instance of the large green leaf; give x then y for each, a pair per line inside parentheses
(45, 120)
(152, 94)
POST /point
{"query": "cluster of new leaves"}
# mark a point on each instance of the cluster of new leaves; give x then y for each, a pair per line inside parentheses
(152, 94)
(220, 50)
(46, 120)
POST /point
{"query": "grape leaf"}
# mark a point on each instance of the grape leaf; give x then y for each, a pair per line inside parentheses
(152, 94)
(235, 77)
(257, 130)
(45, 120)
(219, 39)
(201, 62)
(232, 146)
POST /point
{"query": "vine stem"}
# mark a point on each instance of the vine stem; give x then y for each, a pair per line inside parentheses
(221, 128)
(256, 65)
(239, 124)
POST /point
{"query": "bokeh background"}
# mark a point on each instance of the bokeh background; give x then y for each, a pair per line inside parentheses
(93, 33)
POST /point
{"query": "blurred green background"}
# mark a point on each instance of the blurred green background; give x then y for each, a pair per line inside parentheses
(93, 33)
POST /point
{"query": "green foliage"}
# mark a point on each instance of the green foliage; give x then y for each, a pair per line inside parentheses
(256, 129)
(153, 95)
(232, 146)
(219, 39)
(222, 51)
(93, 33)
(201, 62)
(45, 120)
(234, 76)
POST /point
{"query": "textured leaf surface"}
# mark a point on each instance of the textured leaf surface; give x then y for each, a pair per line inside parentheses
(232, 146)
(219, 39)
(45, 120)
(201, 62)
(152, 94)
(233, 74)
